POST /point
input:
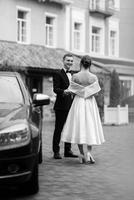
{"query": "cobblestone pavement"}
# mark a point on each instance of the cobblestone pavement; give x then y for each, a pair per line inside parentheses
(110, 178)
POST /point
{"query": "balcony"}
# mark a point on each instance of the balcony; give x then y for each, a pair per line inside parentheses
(103, 8)
(110, 7)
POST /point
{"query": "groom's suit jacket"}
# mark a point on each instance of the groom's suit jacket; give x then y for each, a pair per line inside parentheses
(61, 83)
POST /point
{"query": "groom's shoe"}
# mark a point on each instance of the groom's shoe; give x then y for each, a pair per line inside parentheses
(70, 154)
(57, 156)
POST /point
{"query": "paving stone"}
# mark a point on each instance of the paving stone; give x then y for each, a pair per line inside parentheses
(110, 178)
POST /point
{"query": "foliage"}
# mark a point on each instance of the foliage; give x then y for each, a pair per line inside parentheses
(114, 89)
(100, 96)
(129, 101)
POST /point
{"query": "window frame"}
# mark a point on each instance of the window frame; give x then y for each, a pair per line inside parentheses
(93, 35)
(76, 32)
(54, 17)
(113, 25)
(99, 23)
(124, 78)
(111, 39)
(14, 86)
(28, 23)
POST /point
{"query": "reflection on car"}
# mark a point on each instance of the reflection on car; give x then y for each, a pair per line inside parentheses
(20, 133)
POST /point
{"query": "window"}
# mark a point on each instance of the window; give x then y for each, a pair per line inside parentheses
(10, 90)
(113, 37)
(113, 43)
(97, 36)
(77, 36)
(96, 39)
(50, 31)
(78, 30)
(92, 4)
(22, 26)
(111, 4)
(126, 86)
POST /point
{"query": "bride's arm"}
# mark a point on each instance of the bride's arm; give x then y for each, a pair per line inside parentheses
(76, 88)
(92, 89)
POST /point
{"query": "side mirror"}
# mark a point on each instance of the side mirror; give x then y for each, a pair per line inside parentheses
(41, 99)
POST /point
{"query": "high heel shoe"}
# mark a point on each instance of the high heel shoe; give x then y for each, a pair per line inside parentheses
(90, 159)
(82, 159)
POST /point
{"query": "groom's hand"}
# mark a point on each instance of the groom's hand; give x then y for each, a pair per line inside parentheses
(67, 92)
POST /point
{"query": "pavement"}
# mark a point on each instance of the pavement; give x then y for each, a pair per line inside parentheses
(110, 178)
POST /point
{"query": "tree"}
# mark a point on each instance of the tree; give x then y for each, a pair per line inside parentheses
(114, 89)
(100, 96)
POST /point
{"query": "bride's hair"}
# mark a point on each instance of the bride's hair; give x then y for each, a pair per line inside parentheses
(86, 61)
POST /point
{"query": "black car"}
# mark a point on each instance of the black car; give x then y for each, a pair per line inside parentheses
(20, 133)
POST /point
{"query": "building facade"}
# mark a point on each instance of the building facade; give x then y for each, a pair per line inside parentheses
(89, 26)
(126, 29)
(95, 27)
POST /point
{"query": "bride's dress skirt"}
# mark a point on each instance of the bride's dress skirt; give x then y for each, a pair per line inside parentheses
(83, 124)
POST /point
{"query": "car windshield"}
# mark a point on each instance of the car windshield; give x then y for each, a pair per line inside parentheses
(10, 91)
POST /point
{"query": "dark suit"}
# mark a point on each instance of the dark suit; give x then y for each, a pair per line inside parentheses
(62, 105)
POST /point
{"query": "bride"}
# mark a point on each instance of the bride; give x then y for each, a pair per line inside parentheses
(83, 124)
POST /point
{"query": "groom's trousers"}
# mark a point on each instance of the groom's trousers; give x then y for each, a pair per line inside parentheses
(60, 118)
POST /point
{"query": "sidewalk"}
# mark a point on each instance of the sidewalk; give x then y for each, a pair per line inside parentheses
(111, 178)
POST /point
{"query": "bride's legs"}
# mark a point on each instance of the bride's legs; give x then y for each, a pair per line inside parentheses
(89, 148)
(81, 157)
(80, 146)
(90, 158)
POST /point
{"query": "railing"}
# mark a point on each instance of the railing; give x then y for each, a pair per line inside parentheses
(111, 4)
(110, 7)
(97, 5)
(131, 114)
(116, 115)
(105, 7)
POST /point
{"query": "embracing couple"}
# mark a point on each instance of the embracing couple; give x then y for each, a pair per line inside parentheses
(77, 119)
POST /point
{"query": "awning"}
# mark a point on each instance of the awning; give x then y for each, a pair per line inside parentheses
(38, 58)
(61, 1)
(23, 56)
(58, 1)
(122, 66)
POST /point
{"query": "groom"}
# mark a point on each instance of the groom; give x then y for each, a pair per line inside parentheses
(62, 105)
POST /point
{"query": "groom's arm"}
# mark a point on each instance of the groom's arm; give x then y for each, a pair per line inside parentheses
(57, 84)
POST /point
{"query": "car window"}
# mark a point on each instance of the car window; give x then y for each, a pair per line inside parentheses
(10, 91)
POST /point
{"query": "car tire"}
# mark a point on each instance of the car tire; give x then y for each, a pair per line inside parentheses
(32, 185)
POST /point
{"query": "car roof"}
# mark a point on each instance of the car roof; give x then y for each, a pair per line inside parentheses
(9, 73)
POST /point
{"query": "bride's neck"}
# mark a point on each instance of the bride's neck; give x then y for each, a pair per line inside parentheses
(84, 70)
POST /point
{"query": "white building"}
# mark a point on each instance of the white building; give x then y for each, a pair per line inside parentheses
(34, 34)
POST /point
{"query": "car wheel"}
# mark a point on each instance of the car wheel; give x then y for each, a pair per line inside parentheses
(32, 185)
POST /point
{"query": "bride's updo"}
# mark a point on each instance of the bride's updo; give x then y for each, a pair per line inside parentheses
(86, 61)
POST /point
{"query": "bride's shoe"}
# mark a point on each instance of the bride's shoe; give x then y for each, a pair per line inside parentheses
(82, 159)
(90, 159)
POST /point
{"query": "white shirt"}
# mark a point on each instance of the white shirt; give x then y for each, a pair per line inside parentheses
(68, 75)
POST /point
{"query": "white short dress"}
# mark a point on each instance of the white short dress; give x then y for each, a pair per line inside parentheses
(83, 124)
